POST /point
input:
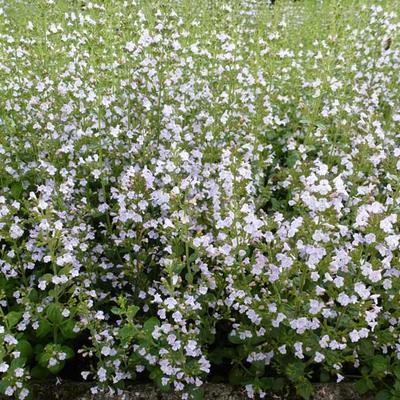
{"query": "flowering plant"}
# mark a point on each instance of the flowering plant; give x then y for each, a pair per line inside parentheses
(195, 189)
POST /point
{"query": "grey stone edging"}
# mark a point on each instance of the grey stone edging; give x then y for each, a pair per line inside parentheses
(80, 391)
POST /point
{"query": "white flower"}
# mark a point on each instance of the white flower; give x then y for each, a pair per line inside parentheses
(15, 231)
(85, 374)
(4, 367)
(362, 290)
(102, 374)
(9, 339)
(387, 223)
(42, 285)
(192, 349)
(23, 394)
(315, 306)
(170, 303)
(250, 391)
(344, 299)
(319, 357)
(370, 238)
(167, 111)
(282, 349)
(299, 350)
(66, 313)
(106, 350)
(52, 362)
(99, 315)
(354, 336)
(339, 378)
(130, 46)
(338, 281)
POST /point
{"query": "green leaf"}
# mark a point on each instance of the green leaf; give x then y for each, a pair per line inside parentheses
(295, 371)
(44, 328)
(364, 385)
(257, 368)
(150, 324)
(236, 376)
(383, 395)
(68, 351)
(127, 331)
(380, 364)
(67, 329)
(305, 389)
(33, 295)
(4, 384)
(265, 383)
(216, 356)
(189, 277)
(396, 371)
(324, 377)
(16, 190)
(116, 310)
(18, 363)
(55, 369)
(178, 248)
(292, 158)
(13, 317)
(197, 393)
(235, 339)
(38, 349)
(38, 372)
(156, 375)
(278, 384)
(43, 359)
(54, 314)
(367, 349)
(46, 277)
(25, 348)
(256, 340)
(132, 311)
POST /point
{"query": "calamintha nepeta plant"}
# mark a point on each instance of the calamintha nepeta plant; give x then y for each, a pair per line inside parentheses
(186, 185)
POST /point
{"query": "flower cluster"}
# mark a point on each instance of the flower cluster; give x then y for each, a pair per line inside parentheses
(189, 186)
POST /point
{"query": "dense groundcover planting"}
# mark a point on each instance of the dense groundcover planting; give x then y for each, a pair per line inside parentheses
(200, 190)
